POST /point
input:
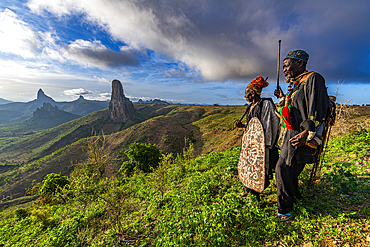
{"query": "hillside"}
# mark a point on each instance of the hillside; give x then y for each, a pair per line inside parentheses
(28, 156)
(57, 149)
(193, 202)
(82, 106)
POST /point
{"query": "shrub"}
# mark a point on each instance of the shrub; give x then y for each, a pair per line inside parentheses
(43, 216)
(143, 156)
(21, 213)
(50, 190)
(160, 178)
(97, 159)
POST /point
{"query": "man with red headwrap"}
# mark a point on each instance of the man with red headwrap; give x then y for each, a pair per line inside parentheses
(264, 110)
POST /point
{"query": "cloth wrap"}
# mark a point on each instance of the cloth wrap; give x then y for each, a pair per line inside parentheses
(307, 109)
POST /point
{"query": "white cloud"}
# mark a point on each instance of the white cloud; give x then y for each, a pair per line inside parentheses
(26, 77)
(209, 41)
(51, 50)
(106, 95)
(167, 31)
(101, 97)
(77, 91)
(102, 79)
(16, 36)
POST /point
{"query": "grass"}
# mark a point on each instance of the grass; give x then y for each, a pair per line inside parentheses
(194, 203)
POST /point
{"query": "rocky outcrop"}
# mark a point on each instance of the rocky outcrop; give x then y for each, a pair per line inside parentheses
(46, 111)
(81, 98)
(49, 116)
(120, 108)
(42, 97)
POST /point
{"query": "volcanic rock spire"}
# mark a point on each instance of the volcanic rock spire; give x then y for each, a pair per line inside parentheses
(43, 98)
(120, 107)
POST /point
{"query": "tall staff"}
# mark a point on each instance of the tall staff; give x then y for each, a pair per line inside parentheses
(278, 67)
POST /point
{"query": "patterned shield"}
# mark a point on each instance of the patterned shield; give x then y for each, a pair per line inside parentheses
(251, 166)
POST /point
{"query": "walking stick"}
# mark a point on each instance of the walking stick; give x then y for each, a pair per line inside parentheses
(278, 66)
(326, 135)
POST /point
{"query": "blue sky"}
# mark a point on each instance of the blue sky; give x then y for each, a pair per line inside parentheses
(192, 51)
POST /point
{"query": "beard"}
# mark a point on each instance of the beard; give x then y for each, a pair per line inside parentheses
(289, 75)
(293, 73)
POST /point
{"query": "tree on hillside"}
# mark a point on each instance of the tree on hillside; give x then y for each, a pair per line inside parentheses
(51, 188)
(97, 159)
(143, 156)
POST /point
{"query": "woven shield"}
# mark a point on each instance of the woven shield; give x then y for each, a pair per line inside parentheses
(251, 166)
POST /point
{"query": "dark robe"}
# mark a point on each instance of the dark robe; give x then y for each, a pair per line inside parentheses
(309, 108)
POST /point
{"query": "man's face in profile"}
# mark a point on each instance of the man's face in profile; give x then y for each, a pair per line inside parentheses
(290, 68)
(249, 95)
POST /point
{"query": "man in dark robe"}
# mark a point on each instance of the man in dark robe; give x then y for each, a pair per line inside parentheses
(264, 110)
(303, 111)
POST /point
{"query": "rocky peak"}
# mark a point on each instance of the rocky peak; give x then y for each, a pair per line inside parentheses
(117, 91)
(120, 107)
(40, 94)
(47, 110)
(81, 98)
(42, 97)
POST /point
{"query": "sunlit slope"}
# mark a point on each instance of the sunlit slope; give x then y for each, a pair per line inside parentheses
(209, 128)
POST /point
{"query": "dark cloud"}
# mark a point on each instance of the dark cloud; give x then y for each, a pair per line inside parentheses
(239, 38)
(222, 96)
(231, 40)
(94, 53)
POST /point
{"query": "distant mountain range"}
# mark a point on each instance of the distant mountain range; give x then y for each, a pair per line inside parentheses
(4, 101)
(155, 101)
(16, 112)
(45, 117)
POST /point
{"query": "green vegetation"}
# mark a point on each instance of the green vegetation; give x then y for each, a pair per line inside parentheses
(143, 156)
(50, 191)
(42, 143)
(187, 201)
(179, 199)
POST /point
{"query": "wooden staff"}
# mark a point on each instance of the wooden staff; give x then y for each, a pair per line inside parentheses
(278, 67)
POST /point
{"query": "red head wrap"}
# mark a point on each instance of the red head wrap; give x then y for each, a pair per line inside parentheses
(257, 84)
